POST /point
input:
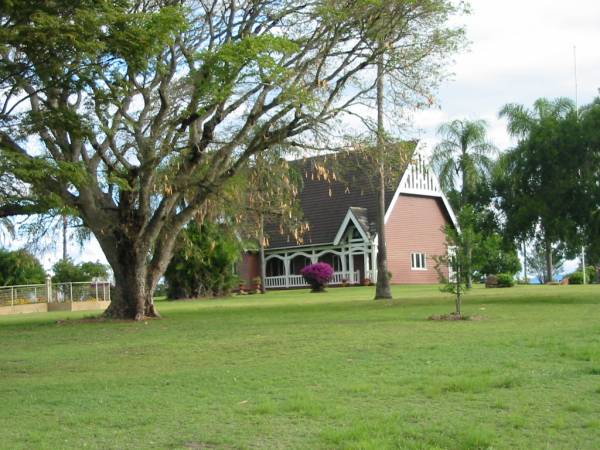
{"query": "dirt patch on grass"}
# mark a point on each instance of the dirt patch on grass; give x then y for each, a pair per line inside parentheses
(204, 446)
(453, 316)
(101, 319)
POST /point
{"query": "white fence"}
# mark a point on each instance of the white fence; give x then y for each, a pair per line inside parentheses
(80, 292)
(54, 293)
(292, 281)
(23, 294)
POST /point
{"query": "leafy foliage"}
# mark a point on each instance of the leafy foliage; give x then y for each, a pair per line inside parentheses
(491, 255)
(66, 271)
(203, 262)
(505, 280)
(20, 267)
(585, 209)
(454, 268)
(536, 181)
(577, 277)
(317, 275)
(265, 197)
(464, 156)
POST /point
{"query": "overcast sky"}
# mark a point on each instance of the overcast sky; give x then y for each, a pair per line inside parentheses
(520, 50)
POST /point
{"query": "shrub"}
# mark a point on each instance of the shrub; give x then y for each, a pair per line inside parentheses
(505, 280)
(592, 274)
(317, 275)
(202, 265)
(576, 278)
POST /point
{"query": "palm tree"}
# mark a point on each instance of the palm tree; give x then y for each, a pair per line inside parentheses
(522, 120)
(462, 159)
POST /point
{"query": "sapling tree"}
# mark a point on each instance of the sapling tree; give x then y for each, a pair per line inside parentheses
(453, 268)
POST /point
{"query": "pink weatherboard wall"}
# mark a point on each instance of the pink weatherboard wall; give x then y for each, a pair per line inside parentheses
(415, 225)
(248, 269)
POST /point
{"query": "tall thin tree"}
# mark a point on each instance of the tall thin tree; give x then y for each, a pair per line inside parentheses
(382, 289)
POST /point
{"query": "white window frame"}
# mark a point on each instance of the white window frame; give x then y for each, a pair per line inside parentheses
(451, 256)
(418, 261)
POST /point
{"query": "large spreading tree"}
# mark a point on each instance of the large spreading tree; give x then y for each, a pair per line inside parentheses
(134, 114)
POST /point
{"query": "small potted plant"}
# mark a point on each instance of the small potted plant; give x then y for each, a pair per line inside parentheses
(317, 275)
(258, 284)
(366, 282)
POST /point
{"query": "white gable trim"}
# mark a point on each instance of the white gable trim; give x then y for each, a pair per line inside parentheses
(349, 217)
(419, 179)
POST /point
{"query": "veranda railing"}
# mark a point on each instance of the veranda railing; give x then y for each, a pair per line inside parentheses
(292, 281)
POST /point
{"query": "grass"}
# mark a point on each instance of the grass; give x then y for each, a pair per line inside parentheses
(311, 371)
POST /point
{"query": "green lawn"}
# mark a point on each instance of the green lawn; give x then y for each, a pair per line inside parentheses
(311, 371)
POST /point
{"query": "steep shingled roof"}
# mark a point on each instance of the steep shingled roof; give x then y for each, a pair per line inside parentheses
(325, 201)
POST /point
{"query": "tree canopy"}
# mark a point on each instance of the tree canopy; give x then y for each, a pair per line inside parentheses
(538, 180)
(66, 271)
(20, 267)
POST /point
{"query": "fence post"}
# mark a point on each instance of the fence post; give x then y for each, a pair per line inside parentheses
(71, 291)
(49, 289)
(97, 299)
(12, 296)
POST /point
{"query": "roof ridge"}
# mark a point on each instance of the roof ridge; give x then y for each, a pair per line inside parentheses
(347, 151)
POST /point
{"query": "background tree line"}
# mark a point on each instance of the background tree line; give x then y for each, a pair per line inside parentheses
(541, 197)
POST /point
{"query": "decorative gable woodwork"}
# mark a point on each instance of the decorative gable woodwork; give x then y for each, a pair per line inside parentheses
(419, 179)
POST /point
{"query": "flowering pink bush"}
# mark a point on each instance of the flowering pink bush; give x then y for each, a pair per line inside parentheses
(317, 275)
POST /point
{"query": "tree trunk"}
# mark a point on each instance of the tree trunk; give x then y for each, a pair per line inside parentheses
(526, 279)
(64, 236)
(261, 240)
(382, 289)
(549, 264)
(458, 287)
(463, 201)
(134, 280)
